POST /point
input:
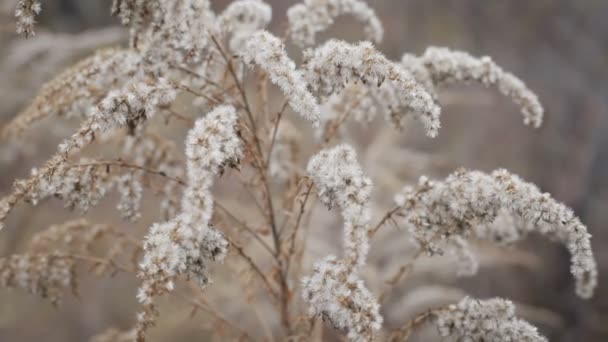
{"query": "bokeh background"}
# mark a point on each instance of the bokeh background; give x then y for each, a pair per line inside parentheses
(558, 47)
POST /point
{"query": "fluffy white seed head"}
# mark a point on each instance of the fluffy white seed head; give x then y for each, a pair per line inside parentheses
(268, 52)
(468, 201)
(310, 17)
(340, 296)
(26, 13)
(448, 66)
(491, 320)
(341, 182)
(335, 64)
(242, 18)
(187, 244)
(133, 103)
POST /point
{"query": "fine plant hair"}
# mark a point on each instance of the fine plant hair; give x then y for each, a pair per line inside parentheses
(236, 205)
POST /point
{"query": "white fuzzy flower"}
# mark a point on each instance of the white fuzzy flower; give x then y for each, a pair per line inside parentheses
(469, 201)
(135, 102)
(339, 295)
(491, 320)
(242, 18)
(45, 275)
(335, 64)
(448, 66)
(80, 187)
(186, 244)
(131, 190)
(312, 16)
(26, 13)
(335, 290)
(341, 182)
(268, 52)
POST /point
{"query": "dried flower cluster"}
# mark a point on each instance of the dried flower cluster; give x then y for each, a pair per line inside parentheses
(335, 290)
(335, 64)
(490, 320)
(465, 200)
(26, 13)
(184, 76)
(186, 244)
(269, 53)
(312, 16)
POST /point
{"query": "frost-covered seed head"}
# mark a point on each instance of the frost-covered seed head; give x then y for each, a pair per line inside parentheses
(448, 66)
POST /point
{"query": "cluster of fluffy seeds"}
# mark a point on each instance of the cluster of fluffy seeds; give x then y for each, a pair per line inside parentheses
(341, 182)
(45, 275)
(186, 244)
(135, 102)
(75, 90)
(335, 64)
(169, 32)
(448, 66)
(242, 18)
(26, 13)
(336, 293)
(490, 320)
(80, 187)
(312, 16)
(268, 52)
(468, 201)
(131, 191)
(335, 290)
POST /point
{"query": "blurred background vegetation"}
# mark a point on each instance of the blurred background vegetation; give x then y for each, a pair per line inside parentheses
(558, 47)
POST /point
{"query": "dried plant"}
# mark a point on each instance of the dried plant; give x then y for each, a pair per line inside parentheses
(193, 75)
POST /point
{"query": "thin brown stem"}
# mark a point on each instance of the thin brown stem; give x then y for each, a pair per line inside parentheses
(245, 227)
(403, 333)
(294, 234)
(275, 129)
(122, 164)
(383, 220)
(255, 267)
(205, 307)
